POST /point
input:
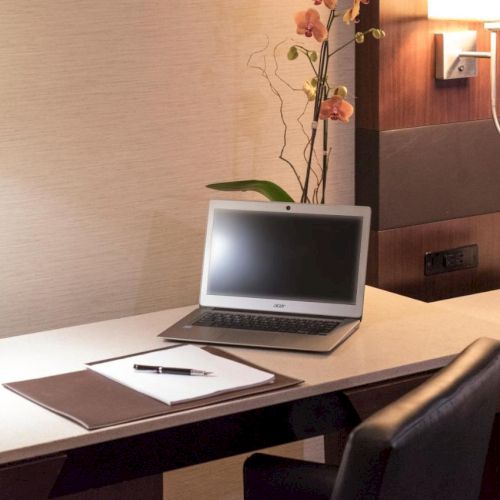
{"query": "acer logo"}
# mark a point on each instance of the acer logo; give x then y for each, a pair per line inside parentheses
(279, 306)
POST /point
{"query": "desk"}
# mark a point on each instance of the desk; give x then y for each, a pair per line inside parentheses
(398, 337)
(485, 305)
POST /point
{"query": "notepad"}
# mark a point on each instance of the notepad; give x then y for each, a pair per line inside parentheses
(227, 375)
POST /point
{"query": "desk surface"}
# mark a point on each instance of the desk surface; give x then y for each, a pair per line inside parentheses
(398, 336)
(485, 306)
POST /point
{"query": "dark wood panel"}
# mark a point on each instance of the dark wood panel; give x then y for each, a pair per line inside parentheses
(367, 70)
(397, 261)
(426, 174)
(367, 171)
(406, 93)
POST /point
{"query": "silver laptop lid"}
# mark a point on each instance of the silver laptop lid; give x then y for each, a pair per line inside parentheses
(286, 257)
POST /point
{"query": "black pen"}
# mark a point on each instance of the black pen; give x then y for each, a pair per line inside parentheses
(171, 370)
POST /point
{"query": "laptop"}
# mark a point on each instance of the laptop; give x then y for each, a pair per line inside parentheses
(280, 275)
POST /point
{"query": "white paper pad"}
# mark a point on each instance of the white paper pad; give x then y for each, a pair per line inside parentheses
(226, 375)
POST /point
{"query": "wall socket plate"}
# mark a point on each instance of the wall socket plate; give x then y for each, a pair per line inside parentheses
(452, 259)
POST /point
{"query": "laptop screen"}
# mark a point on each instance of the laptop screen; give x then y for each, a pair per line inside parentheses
(284, 256)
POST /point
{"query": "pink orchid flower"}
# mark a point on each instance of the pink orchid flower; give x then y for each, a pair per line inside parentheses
(336, 108)
(309, 24)
(331, 4)
(352, 13)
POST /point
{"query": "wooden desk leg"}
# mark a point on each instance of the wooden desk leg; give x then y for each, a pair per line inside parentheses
(490, 489)
(145, 488)
(334, 444)
(30, 479)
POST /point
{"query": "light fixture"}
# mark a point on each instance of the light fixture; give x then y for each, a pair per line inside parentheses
(456, 53)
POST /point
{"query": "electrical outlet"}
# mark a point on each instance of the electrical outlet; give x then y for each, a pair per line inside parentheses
(452, 259)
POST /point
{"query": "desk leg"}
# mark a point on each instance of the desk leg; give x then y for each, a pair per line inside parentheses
(490, 489)
(145, 488)
(35, 479)
(334, 444)
(30, 479)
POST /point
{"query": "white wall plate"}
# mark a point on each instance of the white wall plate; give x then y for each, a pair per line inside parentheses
(448, 47)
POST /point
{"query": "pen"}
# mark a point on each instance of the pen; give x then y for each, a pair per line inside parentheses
(171, 370)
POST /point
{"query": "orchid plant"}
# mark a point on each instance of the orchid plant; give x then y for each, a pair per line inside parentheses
(329, 103)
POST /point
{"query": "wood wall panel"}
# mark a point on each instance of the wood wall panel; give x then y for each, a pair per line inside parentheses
(367, 70)
(427, 155)
(398, 262)
(408, 95)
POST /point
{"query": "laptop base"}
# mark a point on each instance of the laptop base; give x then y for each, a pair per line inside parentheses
(185, 331)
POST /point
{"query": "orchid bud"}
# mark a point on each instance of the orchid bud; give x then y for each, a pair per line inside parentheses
(341, 91)
(378, 34)
(359, 37)
(309, 88)
(293, 53)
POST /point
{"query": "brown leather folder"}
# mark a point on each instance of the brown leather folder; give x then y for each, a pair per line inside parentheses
(95, 401)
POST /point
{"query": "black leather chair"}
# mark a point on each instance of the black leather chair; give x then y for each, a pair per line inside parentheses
(429, 444)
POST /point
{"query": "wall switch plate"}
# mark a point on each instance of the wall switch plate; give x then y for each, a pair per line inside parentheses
(452, 259)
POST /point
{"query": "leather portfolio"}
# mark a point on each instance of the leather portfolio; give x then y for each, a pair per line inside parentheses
(95, 401)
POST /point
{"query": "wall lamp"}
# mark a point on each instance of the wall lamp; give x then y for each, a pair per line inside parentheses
(456, 54)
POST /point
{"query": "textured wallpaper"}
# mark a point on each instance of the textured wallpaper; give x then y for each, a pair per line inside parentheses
(113, 117)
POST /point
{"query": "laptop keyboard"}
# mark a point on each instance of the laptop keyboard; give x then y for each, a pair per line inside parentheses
(242, 321)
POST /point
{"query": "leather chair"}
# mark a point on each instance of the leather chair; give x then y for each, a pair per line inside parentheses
(429, 444)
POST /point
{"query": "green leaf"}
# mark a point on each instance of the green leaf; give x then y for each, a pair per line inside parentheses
(266, 188)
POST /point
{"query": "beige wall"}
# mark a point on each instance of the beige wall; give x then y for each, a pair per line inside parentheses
(113, 116)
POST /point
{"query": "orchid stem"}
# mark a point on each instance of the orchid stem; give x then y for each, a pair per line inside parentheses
(320, 96)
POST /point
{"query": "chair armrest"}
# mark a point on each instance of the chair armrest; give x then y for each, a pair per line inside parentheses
(267, 476)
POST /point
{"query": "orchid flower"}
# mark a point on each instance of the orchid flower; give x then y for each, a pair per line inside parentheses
(336, 108)
(309, 24)
(326, 102)
(352, 13)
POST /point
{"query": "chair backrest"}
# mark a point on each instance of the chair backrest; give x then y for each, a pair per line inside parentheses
(431, 443)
